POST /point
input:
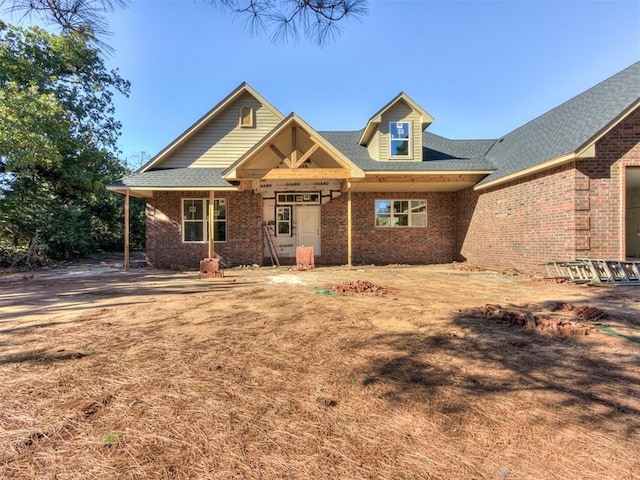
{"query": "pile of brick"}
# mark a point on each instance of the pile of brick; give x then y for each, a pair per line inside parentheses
(350, 287)
(464, 267)
(543, 322)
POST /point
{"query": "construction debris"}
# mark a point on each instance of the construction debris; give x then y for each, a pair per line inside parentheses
(593, 272)
(464, 267)
(350, 287)
(558, 325)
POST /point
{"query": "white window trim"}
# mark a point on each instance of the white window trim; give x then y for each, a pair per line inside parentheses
(391, 213)
(409, 155)
(205, 221)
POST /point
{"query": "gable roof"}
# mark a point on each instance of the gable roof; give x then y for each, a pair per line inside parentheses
(376, 119)
(206, 118)
(562, 133)
(293, 119)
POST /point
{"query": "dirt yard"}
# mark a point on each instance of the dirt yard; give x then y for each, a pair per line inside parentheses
(437, 373)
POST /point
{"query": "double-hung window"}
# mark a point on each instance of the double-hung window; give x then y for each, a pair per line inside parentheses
(400, 139)
(401, 213)
(195, 221)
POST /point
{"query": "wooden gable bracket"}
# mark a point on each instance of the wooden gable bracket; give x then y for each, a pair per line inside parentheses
(292, 160)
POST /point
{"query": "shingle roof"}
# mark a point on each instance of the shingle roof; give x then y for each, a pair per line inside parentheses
(174, 177)
(563, 130)
(567, 128)
(439, 153)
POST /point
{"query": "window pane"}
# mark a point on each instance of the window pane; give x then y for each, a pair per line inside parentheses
(419, 220)
(383, 220)
(193, 210)
(401, 220)
(399, 148)
(283, 228)
(220, 231)
(193, 231)
(418, 206)
(400, 206)
(220, 210)
(399, 130)
(383, 206)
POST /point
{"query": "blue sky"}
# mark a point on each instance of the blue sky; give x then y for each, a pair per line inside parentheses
(481, 68)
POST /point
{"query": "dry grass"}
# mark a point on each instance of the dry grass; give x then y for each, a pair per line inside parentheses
(152, 375)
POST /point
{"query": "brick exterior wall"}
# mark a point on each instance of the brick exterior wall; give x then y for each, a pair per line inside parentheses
(518, 225)
(570, 211)
(378, 245)
(165, 247)
(564, 213)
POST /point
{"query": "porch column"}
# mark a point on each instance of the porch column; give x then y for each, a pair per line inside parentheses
(349, 226)
(211, 217)
(126, 231)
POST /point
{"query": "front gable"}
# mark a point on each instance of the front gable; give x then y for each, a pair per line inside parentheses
(292, 150)
(221, 136)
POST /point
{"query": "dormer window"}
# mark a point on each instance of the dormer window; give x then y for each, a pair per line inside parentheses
(400, 139)
(246, 117)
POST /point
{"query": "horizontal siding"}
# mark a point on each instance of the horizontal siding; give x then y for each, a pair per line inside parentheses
(222, 141)
(374, 147)
(400, 112)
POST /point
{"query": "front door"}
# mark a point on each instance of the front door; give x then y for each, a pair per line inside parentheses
(308, 227)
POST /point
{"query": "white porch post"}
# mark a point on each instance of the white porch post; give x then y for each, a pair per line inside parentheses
(126, 231)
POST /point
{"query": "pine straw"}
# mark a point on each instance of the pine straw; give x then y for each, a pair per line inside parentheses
(226, 384)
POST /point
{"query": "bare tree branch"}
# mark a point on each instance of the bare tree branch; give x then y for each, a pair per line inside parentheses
(86, 19)
(288, 20)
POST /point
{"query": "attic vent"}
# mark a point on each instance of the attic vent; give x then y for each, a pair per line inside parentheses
(246, 117)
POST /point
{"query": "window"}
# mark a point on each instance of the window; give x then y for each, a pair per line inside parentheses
(400, 133)
(246, 117)
(195, 225)
(308, 198)
(401, 213)
(283, 221)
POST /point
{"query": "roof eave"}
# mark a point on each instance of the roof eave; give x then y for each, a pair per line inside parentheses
(554, 162)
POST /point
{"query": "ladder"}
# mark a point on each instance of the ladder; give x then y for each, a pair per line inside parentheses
(273, 254)
(592, 271)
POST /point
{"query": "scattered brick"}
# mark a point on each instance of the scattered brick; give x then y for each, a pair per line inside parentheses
(542, 322)
(358, 287)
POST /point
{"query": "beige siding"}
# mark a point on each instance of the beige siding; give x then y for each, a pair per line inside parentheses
(374, 146)
(400, 112)
(222, 141)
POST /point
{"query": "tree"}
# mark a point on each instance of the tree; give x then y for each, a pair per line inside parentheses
(57, 141)
(282, 20)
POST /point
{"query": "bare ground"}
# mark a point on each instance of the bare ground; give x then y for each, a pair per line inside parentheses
(152, 374)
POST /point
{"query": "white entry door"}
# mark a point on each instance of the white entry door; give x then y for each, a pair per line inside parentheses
(308, 227)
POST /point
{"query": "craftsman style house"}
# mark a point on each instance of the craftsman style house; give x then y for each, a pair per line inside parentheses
(564, 186)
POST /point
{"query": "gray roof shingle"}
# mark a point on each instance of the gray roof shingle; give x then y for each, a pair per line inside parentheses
(439, 153)
(174, 177)
(568, 127)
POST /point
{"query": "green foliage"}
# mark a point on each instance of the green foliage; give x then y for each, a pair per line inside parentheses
(57, 144)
